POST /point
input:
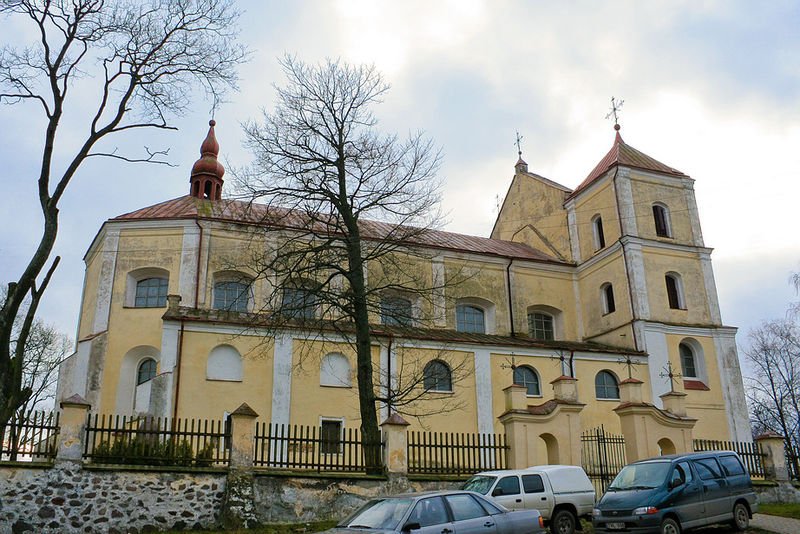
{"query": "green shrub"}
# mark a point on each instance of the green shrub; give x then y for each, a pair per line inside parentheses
(148, 450)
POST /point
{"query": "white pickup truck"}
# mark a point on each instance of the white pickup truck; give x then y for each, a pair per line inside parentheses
(561, 493)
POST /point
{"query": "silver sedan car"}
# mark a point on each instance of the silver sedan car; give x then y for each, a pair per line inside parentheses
(439, 512)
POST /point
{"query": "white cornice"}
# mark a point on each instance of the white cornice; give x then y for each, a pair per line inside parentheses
(707, 331)
(653, 243)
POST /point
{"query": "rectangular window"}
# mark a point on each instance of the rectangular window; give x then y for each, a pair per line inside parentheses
(299, 303)
(541, 326)
(470, 319)
(660, 218)
(532, 483)
(330, 437)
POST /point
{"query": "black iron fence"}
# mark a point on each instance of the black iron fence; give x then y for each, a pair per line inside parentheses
(602, 456)
(750, 452)
(114, 439)
(312, 448)
(452, 453)
(29, 438)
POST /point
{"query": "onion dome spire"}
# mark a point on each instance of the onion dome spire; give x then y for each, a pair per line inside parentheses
(206, 178)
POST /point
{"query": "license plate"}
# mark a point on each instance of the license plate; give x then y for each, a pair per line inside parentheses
(615, 526)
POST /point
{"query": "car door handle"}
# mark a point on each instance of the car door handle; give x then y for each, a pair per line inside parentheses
(488, 524)
(544, 498)
(447, 531)
(519, 500)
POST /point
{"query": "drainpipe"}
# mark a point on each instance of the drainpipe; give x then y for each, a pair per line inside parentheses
(197, 270)
(178, 375)
(510, 303)
(389, 376)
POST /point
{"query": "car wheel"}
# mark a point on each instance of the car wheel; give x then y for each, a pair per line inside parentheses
(670, 526)
(741, 517)
(563, 522)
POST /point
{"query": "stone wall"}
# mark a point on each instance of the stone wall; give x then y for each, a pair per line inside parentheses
(68, 499)
(776, 492)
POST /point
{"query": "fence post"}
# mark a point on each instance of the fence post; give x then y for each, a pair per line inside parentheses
(242, 437)
(238, 506)
(514, 419)
(773, 447)
(396, 448)
(72, 432)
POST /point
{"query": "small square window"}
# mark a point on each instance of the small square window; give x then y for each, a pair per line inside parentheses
(330, 437)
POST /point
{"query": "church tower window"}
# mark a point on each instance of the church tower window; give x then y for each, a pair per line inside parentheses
(597, 230)
(661, 220)
(607, 295)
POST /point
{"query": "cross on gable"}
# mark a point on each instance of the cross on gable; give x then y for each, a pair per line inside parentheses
(518, 142)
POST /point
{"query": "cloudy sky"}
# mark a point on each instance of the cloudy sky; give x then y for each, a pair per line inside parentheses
(710, 87)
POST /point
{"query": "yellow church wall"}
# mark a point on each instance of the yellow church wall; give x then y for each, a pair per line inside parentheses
(89, 300)
(130, 327)
(200, 397)
(600, 199)
(311, 401)
(531, 202)
(659, 262)
(707, 406)
(482, 281)
(411, 271)
(445, 411)
(647, 191)
(609, 270)
(231, 252)
(553, 289)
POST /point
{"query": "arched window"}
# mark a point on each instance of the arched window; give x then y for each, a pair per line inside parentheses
(526, 376)
(146, 371)
(470, 318)
(437, 377)
(607, 297)
(541, 325)
(151, 293)
(606, 385)
(232, 296)
(674, 291)
(597, 231)
(299, 303)
(224, 363)
(688, 362)
(396, 311)
(334, 370)
(661, 220)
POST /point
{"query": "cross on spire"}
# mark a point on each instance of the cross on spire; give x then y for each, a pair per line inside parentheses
(616, 106)
(668, 372)
(519, 145)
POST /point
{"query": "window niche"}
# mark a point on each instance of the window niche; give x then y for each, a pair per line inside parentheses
(147, 288)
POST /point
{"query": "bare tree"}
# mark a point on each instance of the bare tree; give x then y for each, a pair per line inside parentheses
(143, 61)
(774, 388)
(344, 204)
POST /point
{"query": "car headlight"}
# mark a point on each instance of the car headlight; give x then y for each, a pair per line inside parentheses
(645, 510)
(596, 512)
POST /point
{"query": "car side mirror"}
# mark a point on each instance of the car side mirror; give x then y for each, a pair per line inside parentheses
(497, 491)
(408, 527)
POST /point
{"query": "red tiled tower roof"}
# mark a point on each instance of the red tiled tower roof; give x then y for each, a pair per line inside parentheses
(206, 178)
(623, 154)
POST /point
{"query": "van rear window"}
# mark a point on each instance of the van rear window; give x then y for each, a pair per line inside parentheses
(732, 465)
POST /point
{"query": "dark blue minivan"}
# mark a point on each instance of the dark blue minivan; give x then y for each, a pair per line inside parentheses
(668, 494)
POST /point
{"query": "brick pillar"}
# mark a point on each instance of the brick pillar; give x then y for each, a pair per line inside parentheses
(772, 445)
(72, 431)
(565, 388)
(674, 402)
(395, 457)
(238, 507)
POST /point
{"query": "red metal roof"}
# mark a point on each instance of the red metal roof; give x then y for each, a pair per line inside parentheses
(238, 211)
(623, 154)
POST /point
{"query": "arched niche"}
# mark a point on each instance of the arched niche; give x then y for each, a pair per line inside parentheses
(224, 363)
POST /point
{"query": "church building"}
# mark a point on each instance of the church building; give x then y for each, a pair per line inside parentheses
(605, 282)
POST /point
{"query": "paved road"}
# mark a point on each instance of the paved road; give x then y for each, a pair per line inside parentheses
(773, 523)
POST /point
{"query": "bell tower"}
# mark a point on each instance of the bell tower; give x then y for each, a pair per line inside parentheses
(206, 179)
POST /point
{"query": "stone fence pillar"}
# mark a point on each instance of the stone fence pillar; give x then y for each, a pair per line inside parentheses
(243, 421)
(396, 448)
(772, 445)
(238, 510)
(72, 432)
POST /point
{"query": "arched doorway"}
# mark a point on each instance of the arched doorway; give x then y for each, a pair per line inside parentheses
(551, 445)
(666, 446)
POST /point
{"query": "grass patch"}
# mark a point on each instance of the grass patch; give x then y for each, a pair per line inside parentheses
(782, 509)
(277, 528)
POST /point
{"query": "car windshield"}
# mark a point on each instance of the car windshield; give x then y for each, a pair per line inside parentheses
(479, 484)
(379, 514)
(641, 476)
